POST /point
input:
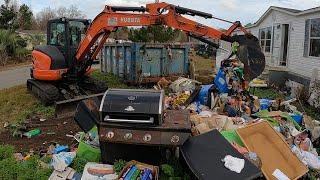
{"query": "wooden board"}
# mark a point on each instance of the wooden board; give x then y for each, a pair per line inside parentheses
(274, 152)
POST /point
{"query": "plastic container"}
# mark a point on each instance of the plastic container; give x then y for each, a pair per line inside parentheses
(298, 118)
(264, 104)
(232, 136)
(32, 133)
(88, 152)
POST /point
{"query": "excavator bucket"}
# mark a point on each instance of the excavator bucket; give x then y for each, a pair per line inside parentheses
(67, 108)
(91, 88)
(250, 54)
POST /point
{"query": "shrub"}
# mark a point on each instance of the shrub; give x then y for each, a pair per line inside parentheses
(12, 45)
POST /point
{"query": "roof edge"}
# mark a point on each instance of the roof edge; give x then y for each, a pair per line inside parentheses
(304, 12)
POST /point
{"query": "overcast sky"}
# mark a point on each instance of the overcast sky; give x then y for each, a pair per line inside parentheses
(246, 11)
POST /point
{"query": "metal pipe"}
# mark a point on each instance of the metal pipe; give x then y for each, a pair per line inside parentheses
(191, 12)
(124, 8)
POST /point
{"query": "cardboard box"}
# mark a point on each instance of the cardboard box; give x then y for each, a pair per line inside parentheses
(141, 166)
(272, 149)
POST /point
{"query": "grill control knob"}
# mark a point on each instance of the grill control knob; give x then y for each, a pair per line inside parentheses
(147, 137)
(110, 135)
(175, 139)
(127, 136)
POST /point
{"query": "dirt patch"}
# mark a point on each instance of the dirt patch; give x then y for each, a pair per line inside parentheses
(52, 131)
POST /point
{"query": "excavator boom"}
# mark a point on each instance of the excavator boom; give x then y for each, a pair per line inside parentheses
(113, 17)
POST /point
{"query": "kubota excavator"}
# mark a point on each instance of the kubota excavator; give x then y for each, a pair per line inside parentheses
(60, 68)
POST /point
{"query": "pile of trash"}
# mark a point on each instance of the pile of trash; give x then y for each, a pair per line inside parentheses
(235, 135)
(228, 106)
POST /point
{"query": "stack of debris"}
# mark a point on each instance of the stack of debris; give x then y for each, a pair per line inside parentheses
(271, 134)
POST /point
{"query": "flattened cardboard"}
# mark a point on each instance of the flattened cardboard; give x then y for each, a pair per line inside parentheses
(272, 149)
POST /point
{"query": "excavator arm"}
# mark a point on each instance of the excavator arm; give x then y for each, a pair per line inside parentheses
(113, 17)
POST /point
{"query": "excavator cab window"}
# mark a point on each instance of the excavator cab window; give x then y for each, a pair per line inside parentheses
(77, 30)
(57, 37)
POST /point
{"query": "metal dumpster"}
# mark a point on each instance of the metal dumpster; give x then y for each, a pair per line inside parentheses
(139, 63)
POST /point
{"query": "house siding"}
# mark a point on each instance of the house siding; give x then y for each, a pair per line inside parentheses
(296, 63)
(274, 17)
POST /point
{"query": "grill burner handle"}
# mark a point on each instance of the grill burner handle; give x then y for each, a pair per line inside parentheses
(150, 121)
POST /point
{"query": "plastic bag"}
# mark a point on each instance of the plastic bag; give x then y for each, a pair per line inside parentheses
(62, 160)
(183, 84)
(221, 82)
(265, 104)
(308, 158)
(233, 163)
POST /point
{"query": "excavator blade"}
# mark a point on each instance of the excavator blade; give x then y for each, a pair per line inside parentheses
(250, 54)
(67, 108)
(90, 87)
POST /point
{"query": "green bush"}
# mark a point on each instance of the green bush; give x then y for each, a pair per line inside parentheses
(78, 164)
(11, 45)
(29, 169)
(22, 53)
(22, 43)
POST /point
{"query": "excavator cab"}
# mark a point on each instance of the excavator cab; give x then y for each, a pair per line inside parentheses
(65, 34)
(63, 38)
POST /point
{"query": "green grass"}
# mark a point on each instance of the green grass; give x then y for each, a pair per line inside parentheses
(265, 93)
(17, 104)
(111, 80)
(12, 169)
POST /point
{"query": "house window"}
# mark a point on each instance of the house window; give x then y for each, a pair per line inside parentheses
(265, 39)
(314, 44)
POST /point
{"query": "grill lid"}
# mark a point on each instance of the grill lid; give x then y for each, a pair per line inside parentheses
(132, 101)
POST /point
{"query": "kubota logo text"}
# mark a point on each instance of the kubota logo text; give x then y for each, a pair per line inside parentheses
(130, 20)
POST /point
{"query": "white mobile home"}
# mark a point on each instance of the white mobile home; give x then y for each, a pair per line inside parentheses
(290, 39)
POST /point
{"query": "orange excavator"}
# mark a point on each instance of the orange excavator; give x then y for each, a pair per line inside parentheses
(60, 68)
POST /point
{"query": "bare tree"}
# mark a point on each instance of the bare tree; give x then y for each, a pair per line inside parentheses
(62, 12)
(45, 14)
(75, 12)
(70, 12)
(43, 17)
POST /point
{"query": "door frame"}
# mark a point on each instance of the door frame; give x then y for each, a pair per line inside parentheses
(282, 46)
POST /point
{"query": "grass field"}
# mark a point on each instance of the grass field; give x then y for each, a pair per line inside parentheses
(17, 104)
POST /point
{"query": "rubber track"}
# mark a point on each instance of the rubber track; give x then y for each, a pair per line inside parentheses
(47, 93)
